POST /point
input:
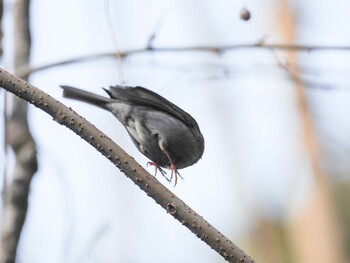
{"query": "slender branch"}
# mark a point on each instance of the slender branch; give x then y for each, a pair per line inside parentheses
(134, 171)
(211, 49)
(285, 66)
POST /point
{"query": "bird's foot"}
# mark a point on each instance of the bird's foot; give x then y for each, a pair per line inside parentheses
(157, 167)
(174, 173)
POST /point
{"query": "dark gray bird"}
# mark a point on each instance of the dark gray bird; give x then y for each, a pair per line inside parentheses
(164, 133)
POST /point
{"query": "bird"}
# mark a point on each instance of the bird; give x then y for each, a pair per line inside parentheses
(162, 131)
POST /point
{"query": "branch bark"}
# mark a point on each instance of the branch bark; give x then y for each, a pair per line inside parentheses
(134, 171)
(18, 136)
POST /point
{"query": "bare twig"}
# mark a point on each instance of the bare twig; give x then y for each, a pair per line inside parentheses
(155, 32)
(134, 171)
(21, 141)
(212, 49)
(293, 72)
(285, 66)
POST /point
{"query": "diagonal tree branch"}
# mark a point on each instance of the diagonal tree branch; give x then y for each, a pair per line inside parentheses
(134, 171)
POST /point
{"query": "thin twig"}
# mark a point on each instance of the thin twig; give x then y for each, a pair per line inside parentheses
(134, 171)
(285, 66)
(211, 49)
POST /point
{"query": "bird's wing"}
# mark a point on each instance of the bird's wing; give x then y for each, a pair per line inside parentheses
(145, 97)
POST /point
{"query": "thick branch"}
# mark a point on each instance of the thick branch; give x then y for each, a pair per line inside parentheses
(21, 141)
(134, 171)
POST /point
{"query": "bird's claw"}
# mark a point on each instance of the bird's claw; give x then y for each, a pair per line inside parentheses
(161, 170)
(174, 172)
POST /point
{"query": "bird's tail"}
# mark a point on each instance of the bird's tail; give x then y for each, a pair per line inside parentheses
(85, 96)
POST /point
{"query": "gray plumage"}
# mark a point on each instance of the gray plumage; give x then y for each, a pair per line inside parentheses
(163, 132)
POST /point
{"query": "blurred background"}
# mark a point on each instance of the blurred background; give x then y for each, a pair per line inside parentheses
(274, 177)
